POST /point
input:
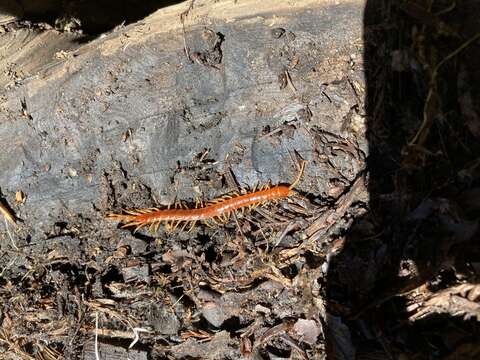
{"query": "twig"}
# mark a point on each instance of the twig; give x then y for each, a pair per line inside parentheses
(183, 15)
(10, 236)
(8, 266)
(97, 355)
(290, 82)
(7, 213)
(421, 134)
(136, 331)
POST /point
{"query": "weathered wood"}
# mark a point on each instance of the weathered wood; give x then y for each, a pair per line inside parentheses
(123, 120)
(111, 352)
(62, 127)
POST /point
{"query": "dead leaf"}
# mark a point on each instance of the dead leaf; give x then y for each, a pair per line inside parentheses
(307, 330)
(20, 197)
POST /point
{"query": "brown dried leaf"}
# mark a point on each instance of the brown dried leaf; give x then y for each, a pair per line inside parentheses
(20, 197)
(307, 330)
(461, 300)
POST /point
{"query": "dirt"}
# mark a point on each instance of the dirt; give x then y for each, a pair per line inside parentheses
(375, 256)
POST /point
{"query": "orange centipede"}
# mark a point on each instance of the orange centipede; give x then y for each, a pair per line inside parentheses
(210, 213)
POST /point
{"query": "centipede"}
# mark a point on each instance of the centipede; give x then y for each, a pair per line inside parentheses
(210, 213)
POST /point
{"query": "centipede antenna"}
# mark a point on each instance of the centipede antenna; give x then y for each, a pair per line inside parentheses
(299, 176)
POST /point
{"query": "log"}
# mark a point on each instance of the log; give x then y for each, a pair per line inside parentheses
(159, 110)
(132, 100)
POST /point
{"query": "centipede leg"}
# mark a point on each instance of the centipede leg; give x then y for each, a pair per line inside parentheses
(193, 225)
(225, 217)
(209, 223)
(138, 227)
(184, 226)
(157, 225)
(206, 222)
(153, 228)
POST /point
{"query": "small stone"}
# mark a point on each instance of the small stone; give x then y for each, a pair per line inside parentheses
(164, 320)
(213, 313)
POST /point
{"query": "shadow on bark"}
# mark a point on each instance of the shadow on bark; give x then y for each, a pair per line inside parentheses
(405, 281)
